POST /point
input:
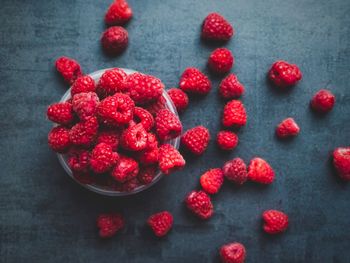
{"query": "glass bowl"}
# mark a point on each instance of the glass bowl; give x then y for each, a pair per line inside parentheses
(103, 190)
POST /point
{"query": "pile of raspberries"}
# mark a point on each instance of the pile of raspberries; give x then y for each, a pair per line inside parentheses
(116, 132)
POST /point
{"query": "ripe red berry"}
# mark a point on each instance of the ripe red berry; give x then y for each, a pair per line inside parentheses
(260, 171)
(118, 13)
(126, 169)
(195, 82)
(196, 140)
(341, 162)
(287, 128)
(284, 74)
(179, 98)
(84, 133)
(134, 138)
(111, 82)
(233, 253)
(110, 224)
(234, 114)
(212, 180)
(58, 139)
(161, 223)
(221, 60)
(147, 174)
(61, 113)
(170, 159)
(227, 140)
(168, 125)
(149, 156)
(156, 106)
(103, 158)
(231, 88)
(85, 104)
(130, 185)
(115, 40)
(144, 117)
(83, 84)
(79, 160)
(323, 101)
(200, 204)
(216, 27)
(110, 137)
(235, 171)
(275, 221)
(68, 68)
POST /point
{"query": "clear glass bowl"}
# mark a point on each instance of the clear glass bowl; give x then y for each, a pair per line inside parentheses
(102, 189)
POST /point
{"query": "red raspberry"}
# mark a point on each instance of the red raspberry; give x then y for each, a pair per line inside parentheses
(116, 110)
(341, 162)
(68, 68)
(221, 60)
(196, 140)
(58, 139)
(79, 160)
(170, 159)
(103, 158)
(125, 170)
(168, 125)
(149, 156)
(61, 113)
(83, 84)
(227, 140)
(143, 88)
(275, 221)
(161, 223)
(287, 128)
(323, 101)
(134, 138)
(179, 98)
(200, 204)
(232, 253)
(85, 104)
(147, 174)
(284, 75)
(231, 88)
(144, 117)
(216, 27)
(212, 180)
(235, 171)
(118, 13)
(152, 141)
(109, 224)
(234, 114)
(84, 133)
(83, 177)
(260, 171)
(115, 40)
(154, 107)
(109, 137)
(111, 82)
(194, 81)
(130, 185)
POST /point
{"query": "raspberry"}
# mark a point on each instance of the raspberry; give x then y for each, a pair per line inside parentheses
(216, 27)
(287, 128)
(109, 224)
(275, 221)
(83, 177)
(227, 140)
(83, 84)
(194, 81)
(85, 104)
(126, 169)
(118, 13)
(179, 98)
(260, 171)
(212, 180)
(109, 137)
(170, 159)
(115, 40)
(144, 117)
(168, 125)
(84, 133)
(134, 138)
(152, 141)
(130, 185)
(156, 106)
(58, 139)
(235, 171)
(200, 204)
(103, 158)
(143, 88)
(284, 75)
(161, 223)
(79, 160)
(149, 157)
(147, 174)
(61, 113)
(116, 110)
(234, 114)
(111, 82)
(232, 253)
(231, 88)
(68, 68)
(221, 60)
(323, 101)
(196, 140)
(341, 162)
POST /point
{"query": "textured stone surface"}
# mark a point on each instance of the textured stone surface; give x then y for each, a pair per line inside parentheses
(45, 217)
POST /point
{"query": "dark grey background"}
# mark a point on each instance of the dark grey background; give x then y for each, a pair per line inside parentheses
(46, 217)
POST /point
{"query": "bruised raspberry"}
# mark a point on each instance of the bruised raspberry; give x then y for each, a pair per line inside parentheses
(341, 162)
(147, 174)
(275, 221)
(61, 113)
(235, 171)
(103, 158)
(111, 82)
(110, 224)
(323, 101)
(68, 68)
(200, 204)
(170, 159)
(144, 117)
(179, 98)
(84, 133)
(126, 169)
(115, 40)
(221, 60)
(231, 88)
(58, 139)
(260, 171)
(234, 114)
(232, 253)
(194, 81)
(79, 160)
(196, 140)
(168, 125)
(160, 223)
(216, 27)
(287, 128)
(83, 84)
(227, 140)
(85, 104)
(118, 13)
(212, 180)
(110, 137)
(283, 74)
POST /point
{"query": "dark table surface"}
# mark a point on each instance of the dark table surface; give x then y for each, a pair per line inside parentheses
(46, 217)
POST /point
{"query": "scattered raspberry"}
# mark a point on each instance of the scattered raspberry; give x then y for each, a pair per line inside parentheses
(323, 101)
(115, 40)
(287, 128)
(109, 137)
(84, 133)
(200, 204)
(156, 106)
(160, 223)
(85, 104)
(196, 140)
(231, 88)
(109, 224)
(341, 162)
(232, 253)
(234, 114)
(134, 138)
(118, 13)
(126, 169)
(61, 113)
(235, 171)
(275, 221)
(168, 125)
(170, 159)
(194, 81)
(284, 75)
(216, 27)
(79, 160)
(144, 117)
(103, 158)
(260, 171)
(68, 68)
(83, 177)
(227, 140)
(212, 180)
(221, 60)
(111, 82)
(58, 139)
(147, 174)
(179, 98)
(83, 84)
